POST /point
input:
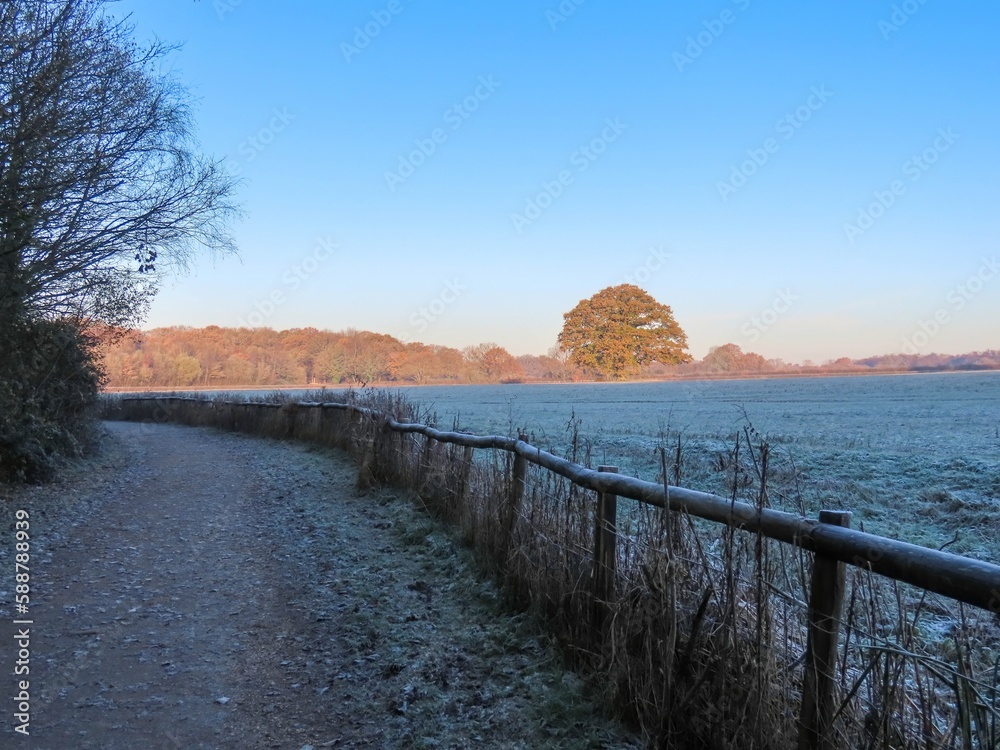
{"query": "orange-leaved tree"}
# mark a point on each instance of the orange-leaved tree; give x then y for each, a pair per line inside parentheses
(492, 363)
(620, 329)
(730, 358)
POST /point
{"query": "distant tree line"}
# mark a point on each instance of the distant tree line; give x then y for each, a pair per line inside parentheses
(731, 360)
(219, 357)
(215, 357)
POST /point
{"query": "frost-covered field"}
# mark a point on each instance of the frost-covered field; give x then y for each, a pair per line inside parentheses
(916, 457)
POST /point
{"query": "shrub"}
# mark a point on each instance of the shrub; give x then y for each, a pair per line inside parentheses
(49, 380)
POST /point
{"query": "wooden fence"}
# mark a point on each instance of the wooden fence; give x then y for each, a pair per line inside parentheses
(829, 537)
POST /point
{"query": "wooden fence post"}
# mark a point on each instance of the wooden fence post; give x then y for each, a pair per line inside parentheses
(383, 452)
(516, 495)
(605, 554)
(368, 471)
(315, 412)
(826, 598)
(424, 468)
(403, 457)
(351, 432)
(463, 488)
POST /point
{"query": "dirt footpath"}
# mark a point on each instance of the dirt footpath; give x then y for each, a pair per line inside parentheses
(195, 589)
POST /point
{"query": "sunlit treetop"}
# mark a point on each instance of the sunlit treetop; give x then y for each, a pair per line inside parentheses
(620, 329)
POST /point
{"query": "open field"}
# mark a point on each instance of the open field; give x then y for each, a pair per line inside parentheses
(915, 457)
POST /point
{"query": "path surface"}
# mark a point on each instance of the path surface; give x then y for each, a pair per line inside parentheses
(208, 590)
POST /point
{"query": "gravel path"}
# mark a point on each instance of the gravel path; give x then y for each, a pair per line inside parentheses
(197, 589)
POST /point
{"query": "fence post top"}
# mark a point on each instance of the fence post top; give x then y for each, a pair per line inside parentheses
(835, 517)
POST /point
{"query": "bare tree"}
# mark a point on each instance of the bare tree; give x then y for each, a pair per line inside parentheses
(101, 179)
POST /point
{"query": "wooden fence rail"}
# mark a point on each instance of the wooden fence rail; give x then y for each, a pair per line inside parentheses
(960, 578)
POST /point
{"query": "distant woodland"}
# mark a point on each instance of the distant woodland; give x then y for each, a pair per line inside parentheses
(215, 357)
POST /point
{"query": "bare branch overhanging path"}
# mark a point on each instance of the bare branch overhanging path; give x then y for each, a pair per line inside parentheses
(226, 591)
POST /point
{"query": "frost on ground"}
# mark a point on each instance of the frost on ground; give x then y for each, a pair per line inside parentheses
(195, 589)
(926, 445)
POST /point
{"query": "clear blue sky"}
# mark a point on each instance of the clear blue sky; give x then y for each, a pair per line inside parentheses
(807, 180)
